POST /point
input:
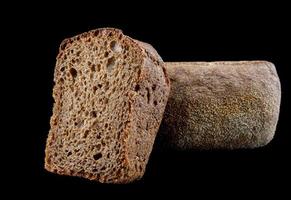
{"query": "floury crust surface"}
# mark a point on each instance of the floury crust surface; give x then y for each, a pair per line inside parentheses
(220, 105)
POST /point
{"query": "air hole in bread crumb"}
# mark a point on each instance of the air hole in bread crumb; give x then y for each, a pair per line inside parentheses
(98, 147)
(106, 86)
(63, 45)
(113, 44)
(76, 150)
(96, 32)
(70, 153)
(62, 69)
(94, 89)
(148, 95)
(97, 156)
(106, 54)
(93, 68)
(117, 152)
(154, 87)
(113, 90)
(76, 93)
(110, 64)
(73, 72)
(118, 134)
(99, 85)
(98, 67)
(115, 47)
(155, 103)
(93, 114)
(137, 88)
(86, 134)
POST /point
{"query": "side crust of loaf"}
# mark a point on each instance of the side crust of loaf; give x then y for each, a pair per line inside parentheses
(145, 90)
(220, 105)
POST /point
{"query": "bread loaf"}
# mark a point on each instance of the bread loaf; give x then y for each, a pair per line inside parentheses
(110, 93)
(220, 105)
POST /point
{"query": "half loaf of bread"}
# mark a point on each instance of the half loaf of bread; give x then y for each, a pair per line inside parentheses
(110, 94)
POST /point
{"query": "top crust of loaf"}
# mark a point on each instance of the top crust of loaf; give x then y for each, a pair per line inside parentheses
(147, 95)
(220, 63)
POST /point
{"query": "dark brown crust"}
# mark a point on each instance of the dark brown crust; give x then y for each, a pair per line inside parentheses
(155, 57)
(220, 105)
(146, 117)
(152, 66)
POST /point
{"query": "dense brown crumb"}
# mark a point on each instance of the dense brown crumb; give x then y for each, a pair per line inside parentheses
(217, 105)
(106, 114)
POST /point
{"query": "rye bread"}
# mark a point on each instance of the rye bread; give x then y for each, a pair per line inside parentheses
(220, 105)
(110, 94)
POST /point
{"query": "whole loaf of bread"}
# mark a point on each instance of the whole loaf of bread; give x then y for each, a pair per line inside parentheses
(220, 105)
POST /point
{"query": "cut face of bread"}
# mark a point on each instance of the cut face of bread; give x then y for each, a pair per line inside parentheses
(110, 93)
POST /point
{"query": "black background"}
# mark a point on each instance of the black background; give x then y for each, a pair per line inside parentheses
(179, 32)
